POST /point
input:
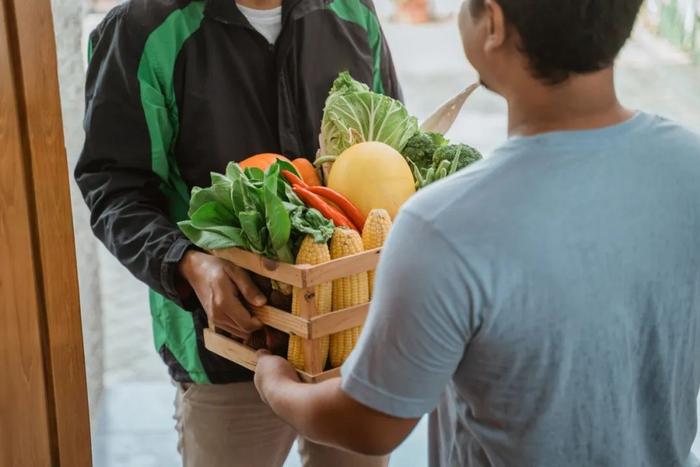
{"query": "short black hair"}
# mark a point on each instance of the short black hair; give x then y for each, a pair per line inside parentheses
(566, 37)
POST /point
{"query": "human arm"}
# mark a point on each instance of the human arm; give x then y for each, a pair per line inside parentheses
(416, 333)
(325, 414)
(133, 187)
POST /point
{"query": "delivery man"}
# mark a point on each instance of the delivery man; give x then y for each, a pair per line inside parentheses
(176, 89)
(545, 300)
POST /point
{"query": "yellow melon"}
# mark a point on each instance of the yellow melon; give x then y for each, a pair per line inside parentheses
(373, 176)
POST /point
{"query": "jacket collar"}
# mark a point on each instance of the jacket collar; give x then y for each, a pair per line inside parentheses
(224, 11)
(227, 12)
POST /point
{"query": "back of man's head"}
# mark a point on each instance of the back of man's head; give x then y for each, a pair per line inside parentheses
(561, 38)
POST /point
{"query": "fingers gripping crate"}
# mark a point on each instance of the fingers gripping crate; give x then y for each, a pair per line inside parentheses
(310, 326)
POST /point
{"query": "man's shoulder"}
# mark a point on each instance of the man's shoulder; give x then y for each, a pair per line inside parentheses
(663, 147)
(458, 192)
(674, 133)
(144, 16)
(132, 23)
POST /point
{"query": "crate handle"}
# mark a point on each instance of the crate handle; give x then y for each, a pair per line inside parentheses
(240, 353)
(248, 358)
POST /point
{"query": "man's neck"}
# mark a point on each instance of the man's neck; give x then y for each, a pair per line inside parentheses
(580, 103)
(260, 4)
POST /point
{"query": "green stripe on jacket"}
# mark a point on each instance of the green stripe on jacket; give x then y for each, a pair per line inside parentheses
(358, 13)
(173, 327)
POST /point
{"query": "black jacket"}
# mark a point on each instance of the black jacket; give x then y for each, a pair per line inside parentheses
(177, 89)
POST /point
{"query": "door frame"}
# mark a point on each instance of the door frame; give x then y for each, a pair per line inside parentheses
(43, 394)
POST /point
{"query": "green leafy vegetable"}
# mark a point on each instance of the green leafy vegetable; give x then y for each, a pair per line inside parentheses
(312, 222)
(253, 210)
(420, 149)
(214, 239)
(447, 160)
(278, 222)
(461, 154)
(354, 114)
(212, 214)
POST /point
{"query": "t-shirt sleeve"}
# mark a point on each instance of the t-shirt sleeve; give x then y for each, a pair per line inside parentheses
(419, 324)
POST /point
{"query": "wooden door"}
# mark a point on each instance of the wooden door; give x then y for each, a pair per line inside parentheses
(43, 396)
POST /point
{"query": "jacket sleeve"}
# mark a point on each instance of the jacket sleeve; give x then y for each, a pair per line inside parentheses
(130, 212)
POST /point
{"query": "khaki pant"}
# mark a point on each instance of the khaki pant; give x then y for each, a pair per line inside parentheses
(227, 425)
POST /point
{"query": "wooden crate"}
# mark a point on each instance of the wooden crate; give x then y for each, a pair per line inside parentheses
(311, 325)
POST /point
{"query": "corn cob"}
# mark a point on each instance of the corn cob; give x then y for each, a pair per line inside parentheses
(312, 253)
(374, 235)
(347, 292)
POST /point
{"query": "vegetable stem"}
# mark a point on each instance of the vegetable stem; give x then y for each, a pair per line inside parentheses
(324, 160)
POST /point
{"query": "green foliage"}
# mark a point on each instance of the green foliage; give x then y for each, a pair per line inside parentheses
(354, 114)
(253, 210)
(446, 161)
(421, 147)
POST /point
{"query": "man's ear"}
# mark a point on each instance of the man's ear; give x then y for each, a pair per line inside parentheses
(496, 34)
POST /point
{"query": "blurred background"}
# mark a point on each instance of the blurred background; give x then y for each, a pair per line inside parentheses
(131, 398)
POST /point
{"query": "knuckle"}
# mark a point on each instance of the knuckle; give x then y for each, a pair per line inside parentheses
(217, 304)
(218, 274)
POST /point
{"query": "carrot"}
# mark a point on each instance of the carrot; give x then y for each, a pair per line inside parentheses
(342, 202)
(293, 179)
(314, 201)
(307, 171)
(261, 161)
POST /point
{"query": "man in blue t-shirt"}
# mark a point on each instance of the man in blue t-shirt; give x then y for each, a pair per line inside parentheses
(543, 304)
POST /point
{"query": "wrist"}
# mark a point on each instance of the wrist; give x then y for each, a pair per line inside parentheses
(276, 389)
(187, 264)
(186, 269)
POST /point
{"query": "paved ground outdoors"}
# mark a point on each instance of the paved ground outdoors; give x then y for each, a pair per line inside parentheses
(134, 425)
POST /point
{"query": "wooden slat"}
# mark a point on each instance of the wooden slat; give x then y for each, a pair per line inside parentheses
(230, 349)
(343, 267)
(25, 432)
(336, 321)
(321, 377)
(43, 126)
(283, 321)
(302, 275)
(282, 272)
(248, 358)
(314, 357)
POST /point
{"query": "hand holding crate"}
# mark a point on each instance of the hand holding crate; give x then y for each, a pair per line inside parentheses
(329, 304)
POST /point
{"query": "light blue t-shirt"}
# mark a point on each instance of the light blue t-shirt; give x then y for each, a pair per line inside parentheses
(546, 301)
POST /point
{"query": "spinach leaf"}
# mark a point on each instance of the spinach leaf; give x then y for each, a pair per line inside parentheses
(291, 196)
(212, 214)
(202, 196)
(221, 188)
(214, 239)
(276, 216)
(284, 165)
(237, 194)
(253, 225)
(254, 210)
(254, 174)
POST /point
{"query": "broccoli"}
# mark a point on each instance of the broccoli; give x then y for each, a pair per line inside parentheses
(446, 161)
(420, 149)
(458, 155)
(438, 140)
